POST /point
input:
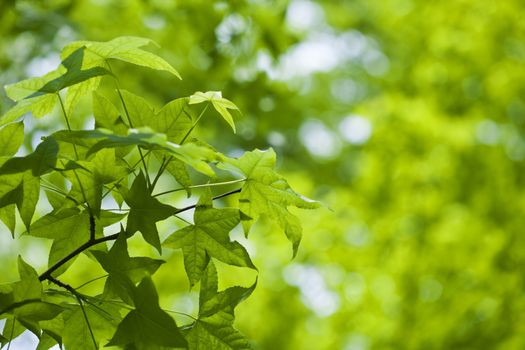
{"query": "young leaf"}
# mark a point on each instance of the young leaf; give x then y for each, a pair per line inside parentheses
(147, 326)
(174, 119)
(209, 237)
(267, 193)
(145, 211)
(220, 104)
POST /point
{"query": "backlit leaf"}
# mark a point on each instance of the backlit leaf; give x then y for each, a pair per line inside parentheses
(147, 326)
(145, 211)
(267, 193)
(209, 237)
(220, 104)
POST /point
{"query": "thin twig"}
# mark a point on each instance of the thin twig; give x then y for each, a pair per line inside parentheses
(214, 198)
(199, 186)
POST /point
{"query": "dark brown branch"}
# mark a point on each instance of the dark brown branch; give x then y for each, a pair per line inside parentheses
(62, 284)
(92, 227)
(87, 245)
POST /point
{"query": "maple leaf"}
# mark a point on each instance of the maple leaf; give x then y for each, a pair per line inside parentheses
(145, 211)
(209, 237)
(266, 193)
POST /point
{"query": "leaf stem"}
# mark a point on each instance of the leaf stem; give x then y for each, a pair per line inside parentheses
(129, 121)
(92, 280)
(87, 322)
(200, 186)
(214, 198)
(194, 124)
(163, 166)
(76, 154)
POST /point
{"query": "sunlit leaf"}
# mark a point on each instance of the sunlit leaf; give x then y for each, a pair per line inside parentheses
(267, 193)
(209, 237)
(220, 104)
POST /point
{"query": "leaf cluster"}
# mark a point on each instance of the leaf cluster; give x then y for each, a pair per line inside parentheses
(132, 147)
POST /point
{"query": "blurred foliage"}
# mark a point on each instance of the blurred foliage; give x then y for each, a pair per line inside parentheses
(407, 118)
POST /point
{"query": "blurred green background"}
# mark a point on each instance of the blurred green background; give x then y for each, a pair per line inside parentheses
(406, 118)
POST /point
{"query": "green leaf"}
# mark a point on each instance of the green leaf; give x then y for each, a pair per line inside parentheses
(73, 75)
(267, 193)
(147, 325)
(214, 328)
(220, 104)
(124, 271)
(8, 217)
(177, 169)
(209, 237)
(20, 178)
(46, 342)
(29, 287)
(39, 95)
(195, 155)
(145, 211)
(37, 311)
(206, 335)
(76, 92)
(124, 48)
(174, 119)
(12, 330)
(11, 138)
(39, 162)
(76, 333)
(107, 115)
(38, 106)
(69, 229)
(104, 168)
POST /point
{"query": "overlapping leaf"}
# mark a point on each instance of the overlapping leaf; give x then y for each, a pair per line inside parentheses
(82, 324)
(209, 237)
(23, 300)
(193, 154)
(124, 48)
(39, 95)
(69, 229)
(145, 211)
(124, 271)
(20, 179)
(11, 138)
(147, 326)
(214, 327)
(174, 119)
(267, 193)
